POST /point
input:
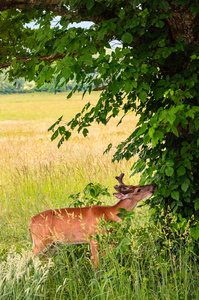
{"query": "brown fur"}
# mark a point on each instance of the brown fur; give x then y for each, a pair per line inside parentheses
(79, 225)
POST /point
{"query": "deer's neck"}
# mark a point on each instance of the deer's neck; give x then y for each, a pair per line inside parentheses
(112, 214)
(127, 204)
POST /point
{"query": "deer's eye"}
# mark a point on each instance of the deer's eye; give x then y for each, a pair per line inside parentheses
(138, 190)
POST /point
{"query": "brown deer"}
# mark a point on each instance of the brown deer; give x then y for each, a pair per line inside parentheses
(79, 225)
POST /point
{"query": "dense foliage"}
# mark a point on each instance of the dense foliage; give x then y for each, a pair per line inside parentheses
(153, 72)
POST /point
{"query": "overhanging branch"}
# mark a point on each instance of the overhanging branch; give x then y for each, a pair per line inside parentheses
(49, 58)
(56, 6)
(24, 4)
(101, 88)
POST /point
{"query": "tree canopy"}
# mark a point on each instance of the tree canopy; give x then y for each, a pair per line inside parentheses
(154, 73)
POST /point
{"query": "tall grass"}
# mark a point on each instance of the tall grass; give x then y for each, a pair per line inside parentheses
(133, 274)
(35, 175)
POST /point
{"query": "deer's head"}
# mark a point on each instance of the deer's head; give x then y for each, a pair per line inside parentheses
(132, 192)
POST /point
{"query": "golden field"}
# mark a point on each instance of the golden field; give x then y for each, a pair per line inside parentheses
(34, 174)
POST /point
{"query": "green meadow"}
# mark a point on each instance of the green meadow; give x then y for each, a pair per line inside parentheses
(35, 175)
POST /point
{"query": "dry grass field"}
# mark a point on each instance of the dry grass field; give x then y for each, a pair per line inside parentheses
(34, 174)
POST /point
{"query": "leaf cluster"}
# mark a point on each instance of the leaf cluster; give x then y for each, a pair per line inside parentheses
(90, 196)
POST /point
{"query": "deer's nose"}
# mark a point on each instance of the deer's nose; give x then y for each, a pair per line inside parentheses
(155, 186)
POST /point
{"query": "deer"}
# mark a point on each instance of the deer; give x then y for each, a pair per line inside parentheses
(76, 225)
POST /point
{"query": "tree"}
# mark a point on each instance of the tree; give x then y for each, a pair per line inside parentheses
(154, 73)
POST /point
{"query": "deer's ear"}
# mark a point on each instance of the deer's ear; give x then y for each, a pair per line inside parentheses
(120, 196)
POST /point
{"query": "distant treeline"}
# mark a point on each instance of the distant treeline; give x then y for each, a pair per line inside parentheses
(22, 86)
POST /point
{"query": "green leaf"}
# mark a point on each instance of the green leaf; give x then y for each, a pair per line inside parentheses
(128, 87)
(61, 129)
(181, 171)
(142, 96)
(60, 142)
(196, 204)
(175, 195)
(171, 116)
(142, 129)
(154, 141)
(108, 148)
(194, 7)
(70, 95)
(55, 135)
(185, 185)
(164, 5)
(194, 56)
(175, 131)
(159, 24)
(85, 132)
(169, 163)
(127, 38)
(56, 123)
(73, 124)
(134, 84)
(151, 132)
(67, 61)
(90, 4)
(115, 111)
(121, 13)
(195, 232)
(66, 72)
(67, 134)
(92, 192)
(169, 171)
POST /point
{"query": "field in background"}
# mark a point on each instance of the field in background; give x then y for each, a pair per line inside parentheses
(34, 174)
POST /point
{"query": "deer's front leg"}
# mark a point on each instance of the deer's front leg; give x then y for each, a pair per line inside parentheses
(95, 252)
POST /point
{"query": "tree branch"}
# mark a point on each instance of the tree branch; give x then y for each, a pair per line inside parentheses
(24, 4)
(182, 23)
(101, 88)
(55, 6)
(49, 58)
